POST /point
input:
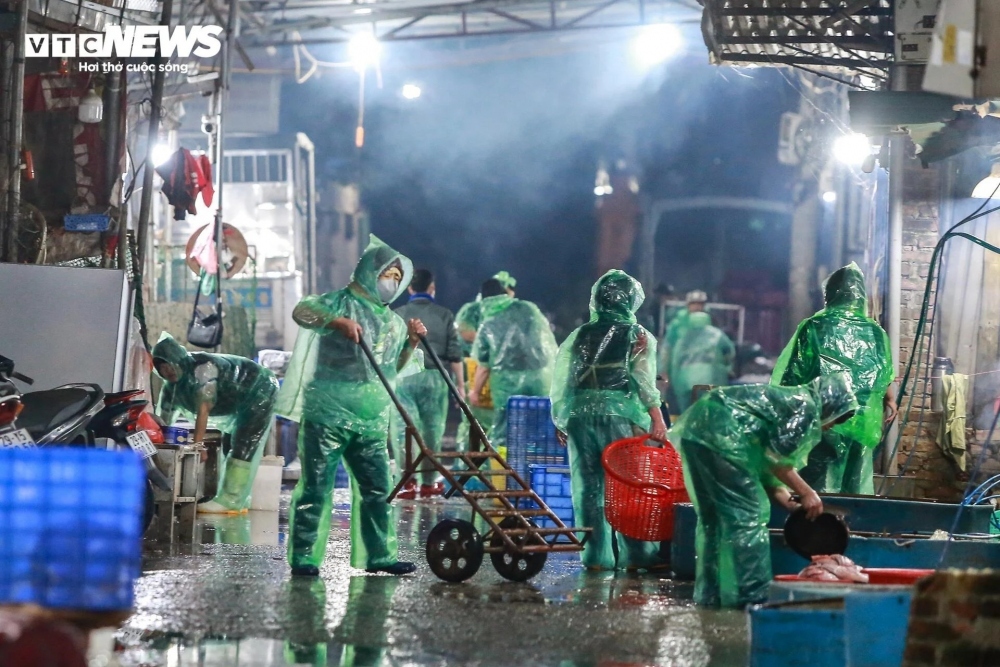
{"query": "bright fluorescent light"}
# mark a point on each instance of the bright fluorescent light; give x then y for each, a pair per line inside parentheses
(363, 10)
(852, 148)
(989, 186)
(829, 196)
(655, 44)
(603, 190)
(411, 91)
(161, 153)
(364, 51)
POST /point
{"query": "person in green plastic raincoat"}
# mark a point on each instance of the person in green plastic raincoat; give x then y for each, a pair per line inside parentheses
(842, 338)
(343, 410)
(702, 355)
(425, 394)
(227, 392)
(515, 351)
(740, 445)
(468, 319)
(696, 301)
(603, 390)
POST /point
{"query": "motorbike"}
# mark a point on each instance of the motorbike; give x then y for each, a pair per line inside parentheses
(78, 415)
(751, 365)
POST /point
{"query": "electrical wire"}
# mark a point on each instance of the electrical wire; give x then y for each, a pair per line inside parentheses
(922, 321)
(923, 406)
(315, 63)
(961, 507)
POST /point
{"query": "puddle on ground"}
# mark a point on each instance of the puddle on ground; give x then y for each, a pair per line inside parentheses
(229, 601)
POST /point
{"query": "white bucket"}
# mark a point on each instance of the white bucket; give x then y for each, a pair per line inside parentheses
(266, 492)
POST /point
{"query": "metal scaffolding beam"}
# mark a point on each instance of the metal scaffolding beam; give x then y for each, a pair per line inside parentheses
(327, 21)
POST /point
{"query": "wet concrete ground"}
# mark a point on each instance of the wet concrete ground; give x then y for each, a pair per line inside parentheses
(230, 601)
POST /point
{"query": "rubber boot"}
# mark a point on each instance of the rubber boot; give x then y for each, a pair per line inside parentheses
(234, 496)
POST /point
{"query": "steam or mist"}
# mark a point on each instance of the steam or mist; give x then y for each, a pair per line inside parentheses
(493, 166)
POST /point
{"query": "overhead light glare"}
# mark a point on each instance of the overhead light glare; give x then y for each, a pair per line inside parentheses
(364, 51)
(161, 153)
(989, 186)
(829, 196)
(852, 148)
(411, 91)
(656, 43)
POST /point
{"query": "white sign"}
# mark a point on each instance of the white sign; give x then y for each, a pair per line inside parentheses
(19, 439)
(140, 442)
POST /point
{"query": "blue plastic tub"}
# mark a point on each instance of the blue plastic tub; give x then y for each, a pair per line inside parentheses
(531, 435)
(552, 484)
(70, 535)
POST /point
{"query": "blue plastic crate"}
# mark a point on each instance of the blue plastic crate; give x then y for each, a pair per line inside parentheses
(88, 222)
(70, 534)
(341, 480)
(531, 435)
(552, 484)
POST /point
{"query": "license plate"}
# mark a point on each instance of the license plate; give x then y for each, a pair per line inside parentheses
(19, 438)
(140, 442)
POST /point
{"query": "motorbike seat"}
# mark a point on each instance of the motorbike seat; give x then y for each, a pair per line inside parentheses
(45, 410)
(118, 396)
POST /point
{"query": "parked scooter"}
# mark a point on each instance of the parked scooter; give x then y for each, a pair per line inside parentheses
(751, 365)
(76, 414)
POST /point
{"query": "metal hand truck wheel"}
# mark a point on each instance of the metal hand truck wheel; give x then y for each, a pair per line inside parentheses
(517, 546)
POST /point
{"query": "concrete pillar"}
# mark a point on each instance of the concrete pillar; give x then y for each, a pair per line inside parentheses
(802, 260)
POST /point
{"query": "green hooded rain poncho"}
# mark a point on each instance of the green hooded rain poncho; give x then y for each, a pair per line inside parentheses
(729, 440)
(603, 388)
(702, 355)
(343, 410)
(470, 316)
(841, 338)
(515, 342)
(468, 319)
(241, 394)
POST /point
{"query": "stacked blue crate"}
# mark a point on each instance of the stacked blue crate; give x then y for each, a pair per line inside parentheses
(70, 535)
(551, 483)
(341, 480)
(531, 435)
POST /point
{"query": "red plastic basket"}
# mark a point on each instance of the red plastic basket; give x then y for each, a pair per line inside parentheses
(642, 485)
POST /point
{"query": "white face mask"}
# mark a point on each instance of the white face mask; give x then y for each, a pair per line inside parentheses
(387, 288)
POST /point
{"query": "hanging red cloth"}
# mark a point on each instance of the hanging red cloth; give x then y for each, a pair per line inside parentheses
(184, 178)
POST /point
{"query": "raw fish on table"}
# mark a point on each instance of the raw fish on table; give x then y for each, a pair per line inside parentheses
(834, 568)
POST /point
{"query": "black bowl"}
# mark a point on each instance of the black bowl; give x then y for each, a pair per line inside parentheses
(826, 535)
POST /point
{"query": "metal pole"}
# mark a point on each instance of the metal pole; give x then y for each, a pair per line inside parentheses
(155, 105)
(897, 163)
(112, 130)
(6, 72)
(306, 149)
(16, 131)
(112, 167)
(232, 23)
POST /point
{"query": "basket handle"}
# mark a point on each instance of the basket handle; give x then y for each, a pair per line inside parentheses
(643, 438)
(654, 485)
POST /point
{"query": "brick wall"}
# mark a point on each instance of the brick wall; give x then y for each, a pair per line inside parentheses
(936, 475)
(955, 620)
